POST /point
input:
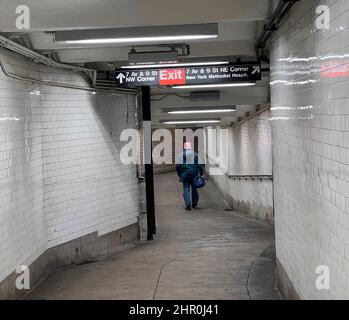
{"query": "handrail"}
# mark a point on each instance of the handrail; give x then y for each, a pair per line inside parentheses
(255, 114)
(250, 177)
(241, 176)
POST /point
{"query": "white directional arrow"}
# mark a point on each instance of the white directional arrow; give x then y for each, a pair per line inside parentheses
(121, 78)
(256, 69)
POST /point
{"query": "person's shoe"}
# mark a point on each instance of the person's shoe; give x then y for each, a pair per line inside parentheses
(194, 205)
(188, 208)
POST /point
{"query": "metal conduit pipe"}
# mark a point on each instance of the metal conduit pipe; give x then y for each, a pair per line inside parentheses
(38, 58)
(276, 19)
(63, 85)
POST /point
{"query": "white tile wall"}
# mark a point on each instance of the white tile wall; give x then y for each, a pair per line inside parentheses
(249, 153)
(61, 177)
(250, 147)
(310, 112)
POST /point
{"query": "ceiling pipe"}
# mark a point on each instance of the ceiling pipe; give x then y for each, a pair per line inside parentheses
(63, 85)
(269, 28)
(39, 58)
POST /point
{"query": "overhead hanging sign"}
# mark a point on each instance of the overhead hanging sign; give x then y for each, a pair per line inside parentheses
(188, 75)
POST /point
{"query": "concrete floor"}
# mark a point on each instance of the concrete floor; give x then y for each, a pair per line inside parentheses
(209, 253)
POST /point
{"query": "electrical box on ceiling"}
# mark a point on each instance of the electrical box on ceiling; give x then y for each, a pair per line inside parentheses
(205, 96)
(159, 57)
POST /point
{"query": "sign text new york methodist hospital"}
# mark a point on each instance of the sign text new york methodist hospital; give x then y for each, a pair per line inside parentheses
(188, 76)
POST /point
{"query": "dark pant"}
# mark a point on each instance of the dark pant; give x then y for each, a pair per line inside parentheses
(186, 193)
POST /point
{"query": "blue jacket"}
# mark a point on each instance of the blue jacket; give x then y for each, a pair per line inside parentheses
(188, 166)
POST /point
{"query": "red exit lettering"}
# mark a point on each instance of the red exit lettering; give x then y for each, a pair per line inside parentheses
(170, 77)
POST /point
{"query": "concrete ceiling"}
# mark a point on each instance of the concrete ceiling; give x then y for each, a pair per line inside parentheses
(239, 23)
(51, 15)
(235, 39)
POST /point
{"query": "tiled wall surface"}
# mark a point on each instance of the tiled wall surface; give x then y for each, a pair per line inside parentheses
(310, 123)
(163, 162)
(247, 151)
(60, 173)
(249, 147)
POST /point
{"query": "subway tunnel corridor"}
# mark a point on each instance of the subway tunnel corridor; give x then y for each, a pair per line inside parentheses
(99, 101)
(209, 253)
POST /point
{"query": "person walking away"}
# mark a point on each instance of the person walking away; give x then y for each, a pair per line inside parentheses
(188, 167)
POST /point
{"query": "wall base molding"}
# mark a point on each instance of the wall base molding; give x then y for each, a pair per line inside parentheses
(77, 251)
(284, 284)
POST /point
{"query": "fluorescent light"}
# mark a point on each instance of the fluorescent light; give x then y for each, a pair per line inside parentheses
(143, 39)
(184, 64)
(190, 121)
(139, 34)
(35, 93)
(223, 85)
(198, 110)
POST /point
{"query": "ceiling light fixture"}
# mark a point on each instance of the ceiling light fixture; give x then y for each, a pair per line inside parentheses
(199, 110)
(133, 35)
(222, 85)
(142, 39)
(184, 64)
(190, 121)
